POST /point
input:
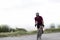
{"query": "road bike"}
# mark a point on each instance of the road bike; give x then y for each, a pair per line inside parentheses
(39, 33)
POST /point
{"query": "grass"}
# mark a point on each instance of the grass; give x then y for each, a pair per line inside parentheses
(17, 33)
(20, 33)
(52, 30)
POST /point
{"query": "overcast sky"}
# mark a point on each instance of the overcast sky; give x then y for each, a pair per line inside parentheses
(21, 13)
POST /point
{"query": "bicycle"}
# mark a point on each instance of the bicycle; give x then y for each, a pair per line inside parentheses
(39, 33)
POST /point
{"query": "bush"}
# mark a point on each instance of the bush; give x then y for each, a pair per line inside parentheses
(4, 28)
(0, 29)
(52, 26)
(21, 29)
(34, 31)
(52, 30)
(58, 26)
(12, 30)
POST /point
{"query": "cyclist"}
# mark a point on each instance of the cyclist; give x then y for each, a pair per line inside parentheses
(39, 21)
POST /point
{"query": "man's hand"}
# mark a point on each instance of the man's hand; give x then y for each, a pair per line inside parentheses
(35, 25)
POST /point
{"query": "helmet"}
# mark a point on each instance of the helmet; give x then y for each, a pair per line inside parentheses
(37, 14)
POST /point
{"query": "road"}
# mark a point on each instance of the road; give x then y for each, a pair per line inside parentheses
(51, 36)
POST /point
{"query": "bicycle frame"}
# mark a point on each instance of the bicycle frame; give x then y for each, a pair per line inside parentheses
(39, 33)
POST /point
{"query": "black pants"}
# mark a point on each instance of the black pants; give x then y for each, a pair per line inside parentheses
(39, 25)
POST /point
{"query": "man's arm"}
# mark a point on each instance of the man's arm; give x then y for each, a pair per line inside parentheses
(35, 21)
(42, 20)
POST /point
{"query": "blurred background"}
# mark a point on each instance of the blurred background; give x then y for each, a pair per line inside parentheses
(19, 14)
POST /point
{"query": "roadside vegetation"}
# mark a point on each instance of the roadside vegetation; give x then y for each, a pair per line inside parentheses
(6, 31)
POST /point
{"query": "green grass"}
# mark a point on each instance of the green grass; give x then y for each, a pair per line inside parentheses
(17, 33)
(52, 30)
(20, 33)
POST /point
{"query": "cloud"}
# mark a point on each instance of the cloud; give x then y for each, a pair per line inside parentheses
(54, 1)
(21, 3)
(9, 3)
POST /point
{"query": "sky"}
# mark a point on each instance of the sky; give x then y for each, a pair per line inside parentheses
(21, 13)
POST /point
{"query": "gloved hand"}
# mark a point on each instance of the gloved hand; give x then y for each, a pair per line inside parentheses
(43, 25)
(35, 25)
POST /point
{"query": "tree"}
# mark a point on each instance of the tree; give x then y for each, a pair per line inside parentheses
(58, 26)
(52, 26)
(4, 28)
(21, 29)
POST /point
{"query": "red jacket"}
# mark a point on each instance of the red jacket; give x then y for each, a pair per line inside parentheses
(39, 19)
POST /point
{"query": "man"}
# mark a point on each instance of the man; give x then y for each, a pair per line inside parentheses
(39, 21)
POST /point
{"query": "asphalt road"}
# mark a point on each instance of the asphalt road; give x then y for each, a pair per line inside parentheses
(51, 36)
